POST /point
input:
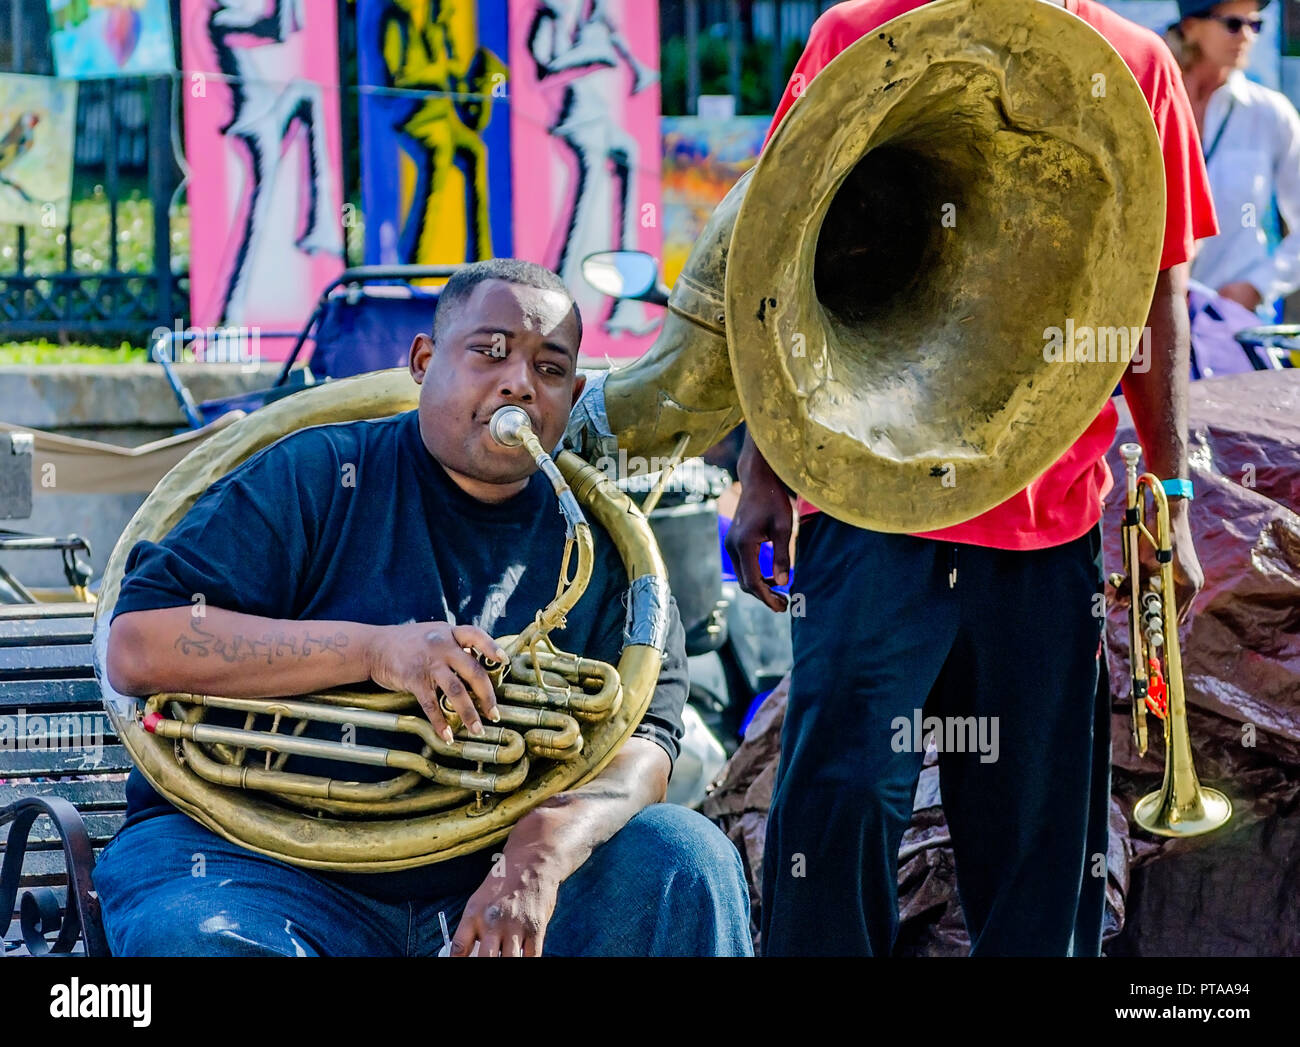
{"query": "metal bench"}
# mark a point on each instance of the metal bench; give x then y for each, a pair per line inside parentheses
(62, 781)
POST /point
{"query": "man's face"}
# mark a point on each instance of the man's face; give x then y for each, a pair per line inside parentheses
(506, 344)
(1218, 46)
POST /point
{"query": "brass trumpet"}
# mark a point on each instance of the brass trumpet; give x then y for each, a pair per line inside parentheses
(1181, 807)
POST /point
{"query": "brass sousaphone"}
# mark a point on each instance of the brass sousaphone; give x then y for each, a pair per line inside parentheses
(563, 717)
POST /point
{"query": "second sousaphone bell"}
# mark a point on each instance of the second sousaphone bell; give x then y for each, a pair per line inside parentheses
(876, 297)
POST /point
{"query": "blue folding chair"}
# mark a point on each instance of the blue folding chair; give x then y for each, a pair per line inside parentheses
(365, 320)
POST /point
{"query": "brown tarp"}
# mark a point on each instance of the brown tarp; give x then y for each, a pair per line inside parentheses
(93, 467)
(1233, 892)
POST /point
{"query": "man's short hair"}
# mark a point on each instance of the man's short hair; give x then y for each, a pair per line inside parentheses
(509, 270)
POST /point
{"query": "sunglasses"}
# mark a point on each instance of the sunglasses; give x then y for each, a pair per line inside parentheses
(1234, 23)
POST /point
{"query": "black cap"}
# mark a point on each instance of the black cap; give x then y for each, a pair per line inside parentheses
(1193, 8)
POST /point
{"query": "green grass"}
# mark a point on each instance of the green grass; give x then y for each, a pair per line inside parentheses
(45, 249)
(28, 354)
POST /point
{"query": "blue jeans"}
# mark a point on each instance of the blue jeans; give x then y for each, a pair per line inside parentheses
(669, 883)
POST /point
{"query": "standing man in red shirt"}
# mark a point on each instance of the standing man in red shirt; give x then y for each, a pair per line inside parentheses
(995, 618)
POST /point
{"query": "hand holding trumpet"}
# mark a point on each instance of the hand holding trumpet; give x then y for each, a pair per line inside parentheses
(1189, 577)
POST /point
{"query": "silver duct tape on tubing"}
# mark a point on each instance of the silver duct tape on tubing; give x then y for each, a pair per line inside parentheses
(588, 433)
(571, 511)
(647, 612)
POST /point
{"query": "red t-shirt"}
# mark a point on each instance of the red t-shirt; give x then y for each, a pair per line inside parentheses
(1066, 501)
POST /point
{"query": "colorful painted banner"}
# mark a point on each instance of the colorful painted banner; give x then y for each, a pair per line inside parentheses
(435, 167)
(585, 136)
(262, 140)
(703, 159)
(111, 37)
(38, 121)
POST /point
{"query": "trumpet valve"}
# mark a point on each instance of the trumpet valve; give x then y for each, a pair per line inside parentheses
(1153, 619)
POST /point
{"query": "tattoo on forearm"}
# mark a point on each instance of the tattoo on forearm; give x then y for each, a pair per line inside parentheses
(201, 643)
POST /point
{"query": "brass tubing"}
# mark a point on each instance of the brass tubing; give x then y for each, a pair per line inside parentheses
(412, 801)
(511, 427)
(543, 750)
(279, 782)
(549, 731)
(657, 492)
(499, 745)
(1131, 536)
(317, 785)
(552, 616)
(549, 743)
(380, 701)
(370, 755)
(280, 760)
(580, 701)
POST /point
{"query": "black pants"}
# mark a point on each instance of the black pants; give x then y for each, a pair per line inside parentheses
(1011, 655)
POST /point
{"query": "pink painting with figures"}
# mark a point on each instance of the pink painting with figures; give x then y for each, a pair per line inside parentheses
(262, 141)
(584, 97)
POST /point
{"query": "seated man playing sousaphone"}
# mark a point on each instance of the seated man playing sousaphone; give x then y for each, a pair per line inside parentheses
(386, 555)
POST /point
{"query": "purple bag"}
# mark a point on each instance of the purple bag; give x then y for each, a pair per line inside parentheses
(1215, 321)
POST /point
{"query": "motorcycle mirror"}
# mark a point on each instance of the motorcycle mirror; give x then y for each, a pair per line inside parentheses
(624, 274)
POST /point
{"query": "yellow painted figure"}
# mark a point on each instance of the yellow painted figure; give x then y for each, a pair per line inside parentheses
(432, 45)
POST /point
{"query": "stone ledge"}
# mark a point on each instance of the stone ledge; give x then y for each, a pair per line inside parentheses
(84, 396)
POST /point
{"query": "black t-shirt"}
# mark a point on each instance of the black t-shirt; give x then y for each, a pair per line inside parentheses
(357, 522)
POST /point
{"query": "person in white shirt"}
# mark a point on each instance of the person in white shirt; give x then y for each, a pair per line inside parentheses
(1251, 139)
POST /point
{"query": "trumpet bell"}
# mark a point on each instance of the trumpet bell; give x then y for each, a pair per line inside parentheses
(1158, 813)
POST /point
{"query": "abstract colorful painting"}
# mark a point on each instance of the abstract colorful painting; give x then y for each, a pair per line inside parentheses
(585, 136)
(38, 119)
(435, 164)
(262, 140)
(703, 159)
(111, 37)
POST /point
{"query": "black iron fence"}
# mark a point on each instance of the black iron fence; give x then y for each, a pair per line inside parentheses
(744, 48)
(106, 269)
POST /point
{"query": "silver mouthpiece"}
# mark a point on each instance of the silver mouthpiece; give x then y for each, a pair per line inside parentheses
(508, 425)
(1131, 453)
(511, 427)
